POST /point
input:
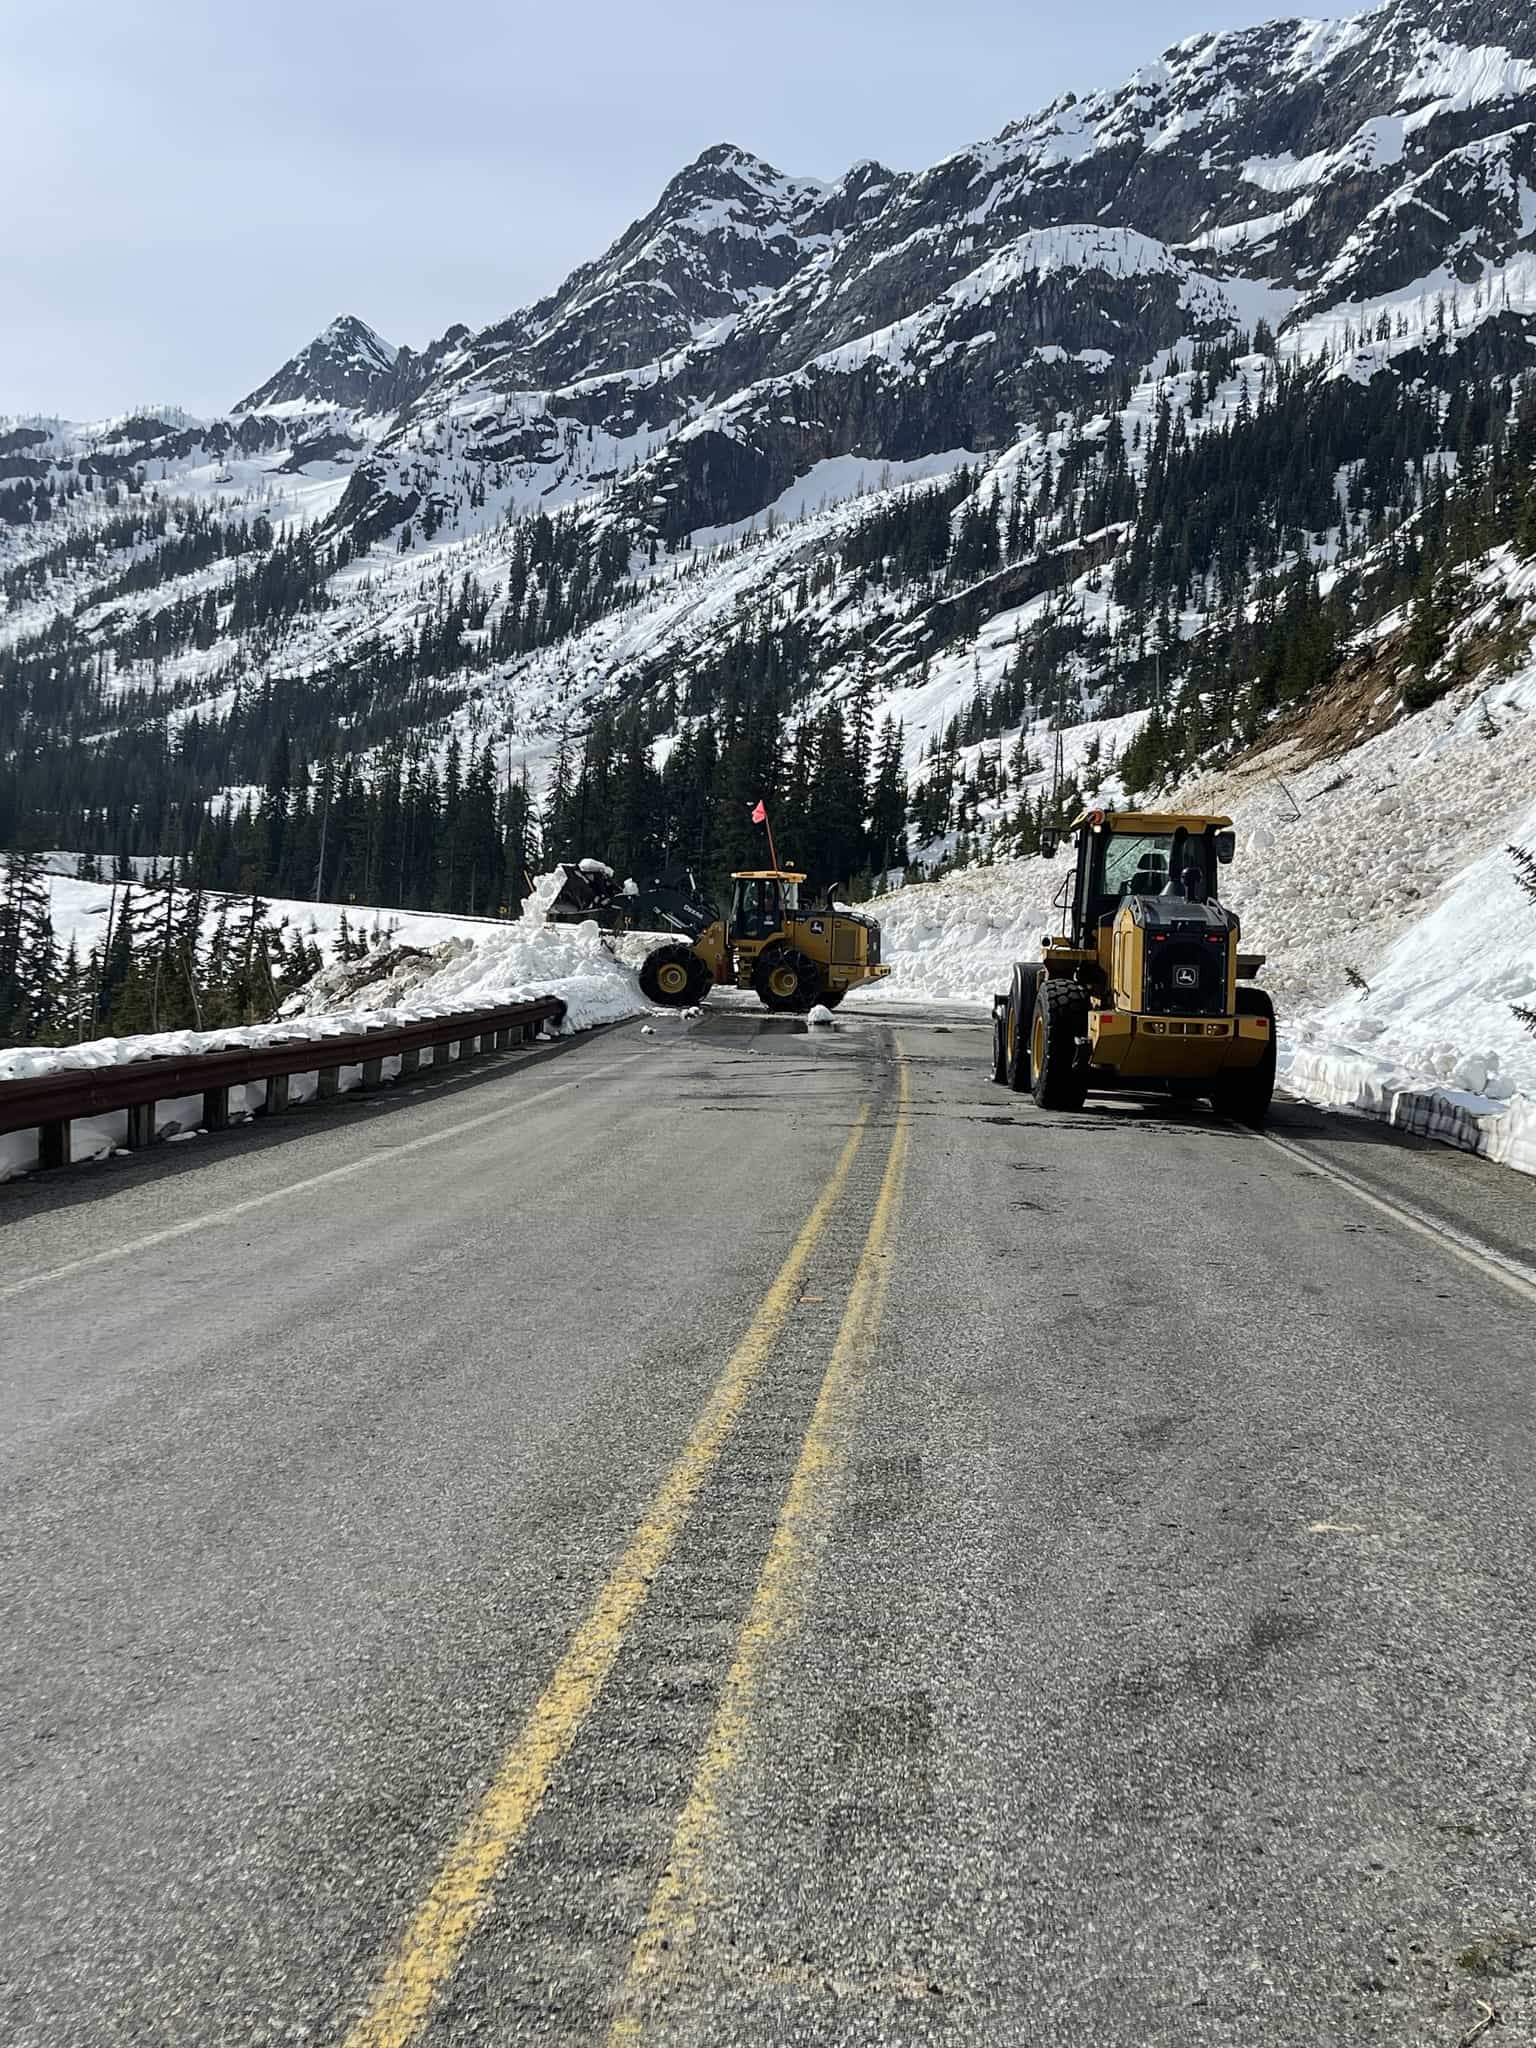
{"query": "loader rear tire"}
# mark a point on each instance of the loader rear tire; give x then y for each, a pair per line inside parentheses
(1060, 1022)
(1000, 1045)
(786, 980)
(674, 978)
(1021, 1012)
(1244, 1096)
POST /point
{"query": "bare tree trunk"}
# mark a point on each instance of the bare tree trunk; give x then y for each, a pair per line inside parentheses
(106, 955)
(246, 990)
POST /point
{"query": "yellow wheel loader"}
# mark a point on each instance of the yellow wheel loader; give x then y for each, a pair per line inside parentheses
(793, 958)
(1141, 991)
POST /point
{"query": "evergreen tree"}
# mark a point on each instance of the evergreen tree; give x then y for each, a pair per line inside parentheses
(29, 971)
(888, 801)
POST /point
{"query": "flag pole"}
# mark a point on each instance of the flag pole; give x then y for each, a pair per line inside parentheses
(773, 851)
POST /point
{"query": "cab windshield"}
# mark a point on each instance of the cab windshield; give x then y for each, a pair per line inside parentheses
(1147, 864)
(1136, 863)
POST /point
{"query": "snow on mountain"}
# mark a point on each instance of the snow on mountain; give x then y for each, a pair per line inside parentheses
(680, 447)
(753, 324)
(344, 366)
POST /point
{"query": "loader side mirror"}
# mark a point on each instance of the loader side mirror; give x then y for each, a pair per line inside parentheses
(1226, 848)
(1050, 842)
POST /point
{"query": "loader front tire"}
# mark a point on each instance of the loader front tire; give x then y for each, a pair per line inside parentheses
(673, 978)
(1060, 1023)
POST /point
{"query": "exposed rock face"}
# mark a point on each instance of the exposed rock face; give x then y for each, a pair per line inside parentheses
(348, 365)
(753, 323)
(1365, 189)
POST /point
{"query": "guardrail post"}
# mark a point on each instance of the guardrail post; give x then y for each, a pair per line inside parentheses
(410, 1063)
(53, 1144)
(277, 1094)
(530, 1032)
(327, 1084)
(141, 1126)
(215, 1109)
(504, 1039)
(442, 1054)
(373, 1073)
(468, 1047)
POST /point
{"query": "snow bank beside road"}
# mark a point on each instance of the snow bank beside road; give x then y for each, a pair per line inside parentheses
(1390, 861)
(1334, 1077)
(510, 963)
(955, 941)
(1433, 1044)
(502, 964)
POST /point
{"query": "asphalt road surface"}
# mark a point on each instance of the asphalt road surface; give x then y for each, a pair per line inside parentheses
(738, 1536)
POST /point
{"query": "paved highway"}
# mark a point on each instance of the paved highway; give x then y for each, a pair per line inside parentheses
(732, 1536)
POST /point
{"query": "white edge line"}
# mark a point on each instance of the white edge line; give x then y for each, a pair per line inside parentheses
(316, 1180)
(1518, 1278)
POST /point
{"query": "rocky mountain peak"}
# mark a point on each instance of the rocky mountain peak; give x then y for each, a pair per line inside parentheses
(346, 364)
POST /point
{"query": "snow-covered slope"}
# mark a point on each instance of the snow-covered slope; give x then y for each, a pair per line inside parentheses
(588, 505)
(80, 913)
(1365, 186)
(1377, 881)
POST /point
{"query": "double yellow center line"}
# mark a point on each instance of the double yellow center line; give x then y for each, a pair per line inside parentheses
(435, 1940)
(681, 1896)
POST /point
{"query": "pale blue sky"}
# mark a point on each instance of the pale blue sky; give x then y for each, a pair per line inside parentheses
(194, 187)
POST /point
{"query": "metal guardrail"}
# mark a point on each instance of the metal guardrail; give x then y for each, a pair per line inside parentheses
(49, 1103)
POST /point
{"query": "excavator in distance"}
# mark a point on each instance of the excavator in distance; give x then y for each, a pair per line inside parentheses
(1142, 989)
(794, 958)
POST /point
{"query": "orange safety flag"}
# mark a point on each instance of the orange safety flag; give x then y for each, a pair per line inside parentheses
(760, 815)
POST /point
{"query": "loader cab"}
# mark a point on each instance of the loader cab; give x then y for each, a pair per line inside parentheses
(760, 904)
(1129, 854)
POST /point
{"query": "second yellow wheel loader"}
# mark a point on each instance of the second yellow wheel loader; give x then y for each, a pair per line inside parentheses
(793, 958)
(1142, 989)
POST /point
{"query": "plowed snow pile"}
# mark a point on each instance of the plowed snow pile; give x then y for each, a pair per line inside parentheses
(508, 963)
(1389, 862)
